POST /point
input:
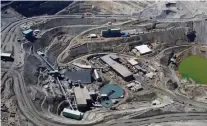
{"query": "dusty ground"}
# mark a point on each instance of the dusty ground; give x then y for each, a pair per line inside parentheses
(9, 15)
(182, 123)
(182, 9)
(119, 7)
(10, 113)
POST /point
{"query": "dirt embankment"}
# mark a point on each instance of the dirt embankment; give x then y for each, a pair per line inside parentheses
(175, 10)
(74, 21)
(170, 37)
(30, 68)
(47, 37)
(200, 28)
(106, 7)
(195, 50)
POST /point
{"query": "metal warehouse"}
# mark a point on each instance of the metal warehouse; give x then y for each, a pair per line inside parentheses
(119, 68)
(111, 33)
(84, 76)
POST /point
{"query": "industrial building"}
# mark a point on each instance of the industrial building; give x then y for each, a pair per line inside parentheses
(111, 33)
(73, 114)
(118, 68)
(143, 49)
(82, 97)
(84, 76)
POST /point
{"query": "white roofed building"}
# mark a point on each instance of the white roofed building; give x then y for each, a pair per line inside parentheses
(6, 54)
(143, 49)
(7, 57)
(132, 62)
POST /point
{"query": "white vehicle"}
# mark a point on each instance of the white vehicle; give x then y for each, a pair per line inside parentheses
(92, 36)
(40, 53)
(97, 77)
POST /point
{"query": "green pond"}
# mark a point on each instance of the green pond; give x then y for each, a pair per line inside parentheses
(194, 67)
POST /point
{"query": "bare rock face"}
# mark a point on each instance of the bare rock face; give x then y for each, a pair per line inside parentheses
(31, 65)
(200, 28)
(34, 8)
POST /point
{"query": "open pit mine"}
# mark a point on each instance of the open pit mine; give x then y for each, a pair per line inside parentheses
(82, 64)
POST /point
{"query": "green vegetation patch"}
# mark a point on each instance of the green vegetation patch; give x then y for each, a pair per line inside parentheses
(194, 67)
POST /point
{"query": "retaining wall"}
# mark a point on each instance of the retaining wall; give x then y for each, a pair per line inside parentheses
(201, 31)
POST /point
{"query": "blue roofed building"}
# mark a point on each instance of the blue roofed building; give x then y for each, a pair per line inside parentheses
(28, 32)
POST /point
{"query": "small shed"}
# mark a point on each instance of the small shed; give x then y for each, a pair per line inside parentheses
(73, 114)
(130, 85)
(138, 87)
